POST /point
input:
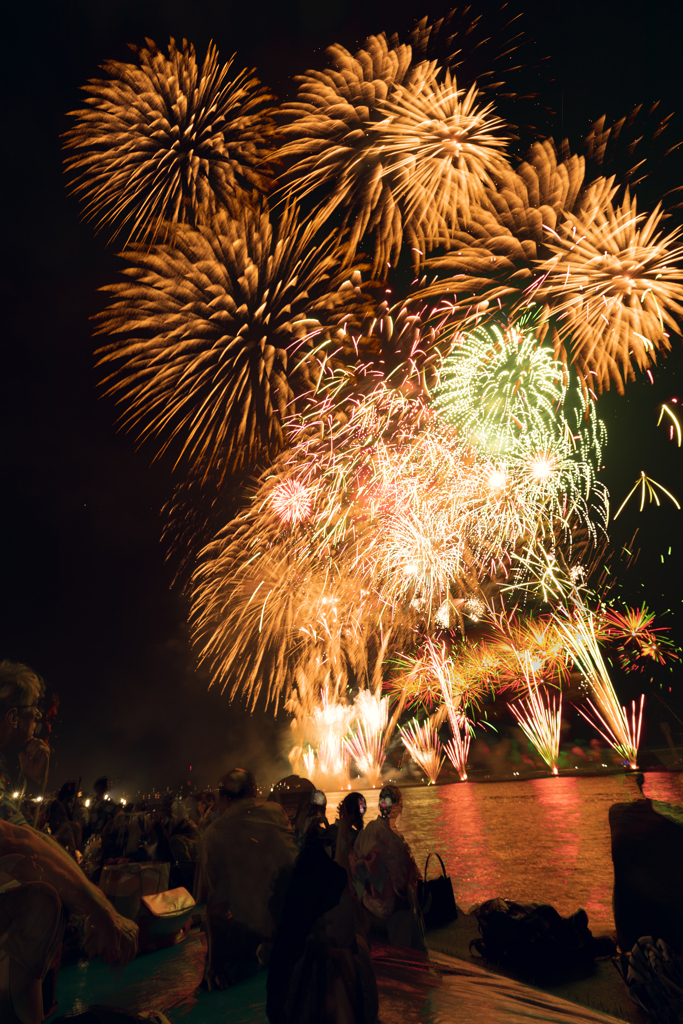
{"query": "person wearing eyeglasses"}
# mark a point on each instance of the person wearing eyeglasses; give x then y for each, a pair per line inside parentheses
(37, 876)
(21, 691)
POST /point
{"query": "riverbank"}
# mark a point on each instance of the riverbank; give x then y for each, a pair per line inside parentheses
(599, 987)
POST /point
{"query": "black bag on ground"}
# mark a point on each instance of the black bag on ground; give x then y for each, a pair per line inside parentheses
(436, 898)
(533, 940)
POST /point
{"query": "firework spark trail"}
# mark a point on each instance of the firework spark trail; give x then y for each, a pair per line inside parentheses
(403, 525)
(541, 722)
(492, 259)
(308, 758)
(615, 283)
(580, 635)
(366, 744)
(366, 747)
(634, 627)
(458, 747)
(217, 336)
(330, 722)
(511, 399)
(168, 142)
(499, 384)
(627, 741)
(439, 145)
(292, 501)
(610, 281)
(530, 648)
(647, 491)
(422, 743)
(398, 151)
(675, 423)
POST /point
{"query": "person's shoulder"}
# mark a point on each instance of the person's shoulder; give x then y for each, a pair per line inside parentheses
(10, 813)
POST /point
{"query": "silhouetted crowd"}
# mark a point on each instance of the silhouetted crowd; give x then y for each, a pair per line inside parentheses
(273, 882)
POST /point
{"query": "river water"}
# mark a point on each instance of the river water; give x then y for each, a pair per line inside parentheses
(542, 840)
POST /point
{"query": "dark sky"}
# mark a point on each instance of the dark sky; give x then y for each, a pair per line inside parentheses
(86, 593)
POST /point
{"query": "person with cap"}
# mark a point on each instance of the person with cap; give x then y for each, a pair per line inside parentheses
(385, 876)
(246, 861)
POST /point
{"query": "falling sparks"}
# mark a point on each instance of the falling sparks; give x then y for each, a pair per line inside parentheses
(422, 743)
(648, 491)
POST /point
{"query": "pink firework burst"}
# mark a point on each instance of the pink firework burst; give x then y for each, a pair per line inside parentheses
(291, 501)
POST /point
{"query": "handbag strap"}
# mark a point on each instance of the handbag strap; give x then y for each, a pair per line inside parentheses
(443, 870)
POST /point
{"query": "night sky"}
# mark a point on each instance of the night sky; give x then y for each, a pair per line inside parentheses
(86, 591)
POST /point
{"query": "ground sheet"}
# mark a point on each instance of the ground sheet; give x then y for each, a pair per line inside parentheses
(434, 989)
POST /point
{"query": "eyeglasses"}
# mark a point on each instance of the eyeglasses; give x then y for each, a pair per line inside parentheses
(28, 707)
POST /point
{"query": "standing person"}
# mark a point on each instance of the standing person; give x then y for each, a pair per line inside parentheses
(320, 970)
(21, 691)
(385, 875)
(247, 857)
(102, 809)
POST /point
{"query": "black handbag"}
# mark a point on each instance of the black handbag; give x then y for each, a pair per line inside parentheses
(436, 898)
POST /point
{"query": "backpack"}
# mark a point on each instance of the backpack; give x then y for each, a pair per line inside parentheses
(533, 940)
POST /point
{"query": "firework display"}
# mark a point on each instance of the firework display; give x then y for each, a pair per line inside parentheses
(392, 501)
(221, 330)
(168, 141)
(422, 743)
(540, 718)
(581, 637)
(648, 489)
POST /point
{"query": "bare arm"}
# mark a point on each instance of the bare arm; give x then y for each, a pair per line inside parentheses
(40, 859)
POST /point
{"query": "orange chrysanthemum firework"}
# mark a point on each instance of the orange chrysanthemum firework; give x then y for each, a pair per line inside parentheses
(167, 141)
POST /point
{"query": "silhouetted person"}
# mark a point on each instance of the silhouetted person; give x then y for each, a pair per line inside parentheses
(247, 857)
(31, 912)
(60, 816)
(102, 809)
(21, 692)
(320, 971)
(385, 875)
(647, 851)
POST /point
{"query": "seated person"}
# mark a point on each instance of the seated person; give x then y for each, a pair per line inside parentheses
(37, 876)
(385, 876)
(102, 810)
(246, 860)
(647, 852)
(61, 819)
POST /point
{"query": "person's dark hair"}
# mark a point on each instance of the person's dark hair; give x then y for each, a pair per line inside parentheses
(19, 686)
(103, 781)
(355, 806)
(237, 784)
(68, 791)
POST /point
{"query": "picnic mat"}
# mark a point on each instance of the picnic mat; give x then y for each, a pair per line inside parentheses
(413, 987)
